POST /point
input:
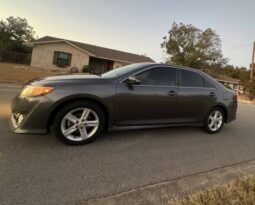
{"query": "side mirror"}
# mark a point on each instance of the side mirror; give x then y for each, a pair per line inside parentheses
(132, 80)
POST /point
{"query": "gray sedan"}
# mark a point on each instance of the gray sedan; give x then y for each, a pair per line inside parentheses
(80, 107)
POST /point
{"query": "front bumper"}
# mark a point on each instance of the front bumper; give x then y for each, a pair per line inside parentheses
(34, 112)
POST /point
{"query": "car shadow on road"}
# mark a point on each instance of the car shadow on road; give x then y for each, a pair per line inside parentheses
(111, 137)
(157, 133)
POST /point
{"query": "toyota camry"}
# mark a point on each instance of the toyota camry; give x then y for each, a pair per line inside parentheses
(80, 107)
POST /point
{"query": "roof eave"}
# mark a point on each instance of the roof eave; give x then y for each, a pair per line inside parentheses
(227, 81)
(31, 44)
(41, 42)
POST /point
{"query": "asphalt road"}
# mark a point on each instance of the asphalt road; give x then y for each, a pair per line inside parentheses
(38, 169)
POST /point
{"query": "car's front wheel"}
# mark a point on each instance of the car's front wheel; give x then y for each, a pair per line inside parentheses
(214, 120)
(79, 123)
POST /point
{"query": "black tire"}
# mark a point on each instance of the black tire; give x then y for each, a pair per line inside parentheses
(207, 120)
(75, 105)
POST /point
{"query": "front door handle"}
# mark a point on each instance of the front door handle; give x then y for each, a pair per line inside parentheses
(212, 94)
(172, 93)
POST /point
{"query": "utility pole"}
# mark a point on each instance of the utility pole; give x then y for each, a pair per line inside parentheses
(252, 62)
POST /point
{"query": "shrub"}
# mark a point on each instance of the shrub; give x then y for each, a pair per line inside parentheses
(227, 86)
(85, 69)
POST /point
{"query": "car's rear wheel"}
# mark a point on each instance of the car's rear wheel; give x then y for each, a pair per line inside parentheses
(79, 123)
(214, 120)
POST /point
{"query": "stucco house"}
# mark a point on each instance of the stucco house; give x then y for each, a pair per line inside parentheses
(232, 83)
(55, 53)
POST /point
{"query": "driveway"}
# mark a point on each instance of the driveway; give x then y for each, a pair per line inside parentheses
(38, 169)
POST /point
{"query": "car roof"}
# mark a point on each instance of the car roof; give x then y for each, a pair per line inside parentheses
(171, 65)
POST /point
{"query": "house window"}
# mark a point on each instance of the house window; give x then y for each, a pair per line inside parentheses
(62, 59)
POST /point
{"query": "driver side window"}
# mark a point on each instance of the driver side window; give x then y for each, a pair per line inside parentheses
(158, 76)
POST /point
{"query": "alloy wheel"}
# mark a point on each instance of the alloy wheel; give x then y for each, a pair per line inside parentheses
(79, 124)
(215, 120)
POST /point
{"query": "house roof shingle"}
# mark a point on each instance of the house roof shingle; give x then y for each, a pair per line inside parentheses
(98, 51)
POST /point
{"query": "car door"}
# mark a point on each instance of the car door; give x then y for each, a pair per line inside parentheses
(196, 97)
(153, 101)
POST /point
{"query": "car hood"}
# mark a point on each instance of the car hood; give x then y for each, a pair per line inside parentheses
(67, 78)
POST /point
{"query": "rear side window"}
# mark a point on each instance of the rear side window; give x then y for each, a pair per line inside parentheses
(190, 79)
(158, 76)
(207, 84)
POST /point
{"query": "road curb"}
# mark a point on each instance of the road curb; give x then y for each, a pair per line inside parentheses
(161, 192)
(7, 85)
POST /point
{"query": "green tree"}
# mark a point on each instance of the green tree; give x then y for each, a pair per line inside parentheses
(14, 32)
(189, 46)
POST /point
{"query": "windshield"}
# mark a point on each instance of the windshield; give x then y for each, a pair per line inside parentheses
(122, 70)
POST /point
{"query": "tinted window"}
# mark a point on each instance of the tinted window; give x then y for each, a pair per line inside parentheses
(122, 70)
(191, 79)
(207, 84)
(158, 76)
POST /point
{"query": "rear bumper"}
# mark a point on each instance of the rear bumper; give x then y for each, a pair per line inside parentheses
(30, 115)
(232, 108)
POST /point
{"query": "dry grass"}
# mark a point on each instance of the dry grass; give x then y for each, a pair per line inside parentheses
(20, 74)
(245, 99)
(236, 192)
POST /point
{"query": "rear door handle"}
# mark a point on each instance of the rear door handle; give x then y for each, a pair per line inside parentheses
(212, 94)
(172, 93)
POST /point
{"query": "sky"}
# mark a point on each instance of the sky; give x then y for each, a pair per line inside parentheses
(138, 26)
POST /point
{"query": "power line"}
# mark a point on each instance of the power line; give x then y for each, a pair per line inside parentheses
(240, 46)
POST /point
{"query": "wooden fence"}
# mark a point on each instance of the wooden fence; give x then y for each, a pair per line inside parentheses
(15, 57)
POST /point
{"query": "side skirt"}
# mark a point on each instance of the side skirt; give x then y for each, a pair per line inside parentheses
(135, 127)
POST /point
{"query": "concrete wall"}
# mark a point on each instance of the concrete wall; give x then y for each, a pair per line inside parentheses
(42, 56)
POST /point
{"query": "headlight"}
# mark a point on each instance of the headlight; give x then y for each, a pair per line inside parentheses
(33, 91)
